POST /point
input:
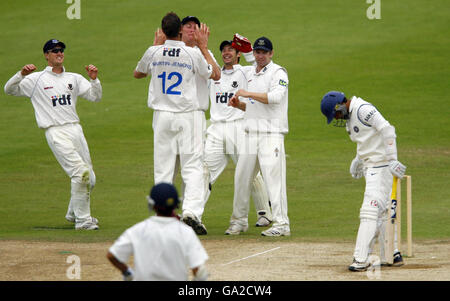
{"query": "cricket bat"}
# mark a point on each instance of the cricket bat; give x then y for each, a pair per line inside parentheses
(390, 225)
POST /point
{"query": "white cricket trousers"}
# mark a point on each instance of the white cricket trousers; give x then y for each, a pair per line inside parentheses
(181, 134)
(70, 148)
(224, 140)
(373, 212)
(265, 153)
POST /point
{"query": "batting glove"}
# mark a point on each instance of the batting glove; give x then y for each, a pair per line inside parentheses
(128, 275)
(397, 169)
(356, 168)
(241, 43)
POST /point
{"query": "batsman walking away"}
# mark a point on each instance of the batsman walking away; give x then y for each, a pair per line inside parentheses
(376, 160)
(54, 93)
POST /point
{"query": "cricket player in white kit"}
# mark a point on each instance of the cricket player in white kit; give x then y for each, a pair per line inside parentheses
(376, 160)
(54, 94)
(178, 119)
(190, 26)
(225, 134)
(164, 248)
(266, 123)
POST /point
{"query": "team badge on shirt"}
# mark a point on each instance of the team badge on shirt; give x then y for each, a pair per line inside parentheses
(234, 84)
(70, 87)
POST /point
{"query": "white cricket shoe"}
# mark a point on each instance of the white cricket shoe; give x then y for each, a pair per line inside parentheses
(190, 220)
(236, 229)
(357, 266)
(263, 221)
(71, 218)
(277, 231)
(90, 224)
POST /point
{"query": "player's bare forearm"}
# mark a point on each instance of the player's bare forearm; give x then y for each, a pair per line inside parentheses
(261, 97)
(215, 75)
(115, 262)
(138, 74)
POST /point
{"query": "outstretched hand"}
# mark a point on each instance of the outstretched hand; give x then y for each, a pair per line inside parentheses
(201, 35)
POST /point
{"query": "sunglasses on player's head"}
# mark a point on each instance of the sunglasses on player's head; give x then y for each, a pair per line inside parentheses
(56, 50)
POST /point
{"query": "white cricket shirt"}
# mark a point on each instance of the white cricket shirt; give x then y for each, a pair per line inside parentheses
(163, 248)
(175, 69)
(54, 96)
(271, 117)
(364, 128)
(222, 90)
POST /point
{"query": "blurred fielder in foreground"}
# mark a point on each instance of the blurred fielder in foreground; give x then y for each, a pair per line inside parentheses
(53, 93)
(376, 160)
(164, 248)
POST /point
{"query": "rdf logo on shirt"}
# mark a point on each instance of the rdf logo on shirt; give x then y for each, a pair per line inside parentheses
(173, 52)
(223, 97)
(61, 99)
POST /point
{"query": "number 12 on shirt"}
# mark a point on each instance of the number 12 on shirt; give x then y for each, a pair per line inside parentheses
(179, 79)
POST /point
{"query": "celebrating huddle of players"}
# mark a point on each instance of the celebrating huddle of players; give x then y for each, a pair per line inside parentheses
(248, 121)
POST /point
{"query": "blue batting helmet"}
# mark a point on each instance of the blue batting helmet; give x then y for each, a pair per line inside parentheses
(329, 102)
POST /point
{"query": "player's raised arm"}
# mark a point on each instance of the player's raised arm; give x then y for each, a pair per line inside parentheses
(243, 45)
(201, 36)
(16, 85)
(91, 90)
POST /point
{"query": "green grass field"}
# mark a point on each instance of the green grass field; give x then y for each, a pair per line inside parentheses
(400, 63)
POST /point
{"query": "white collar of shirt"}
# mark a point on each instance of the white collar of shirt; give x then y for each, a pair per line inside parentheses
(231, 71)
(50, 70)
(174, 43)
(264, 69)
(163, 219)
